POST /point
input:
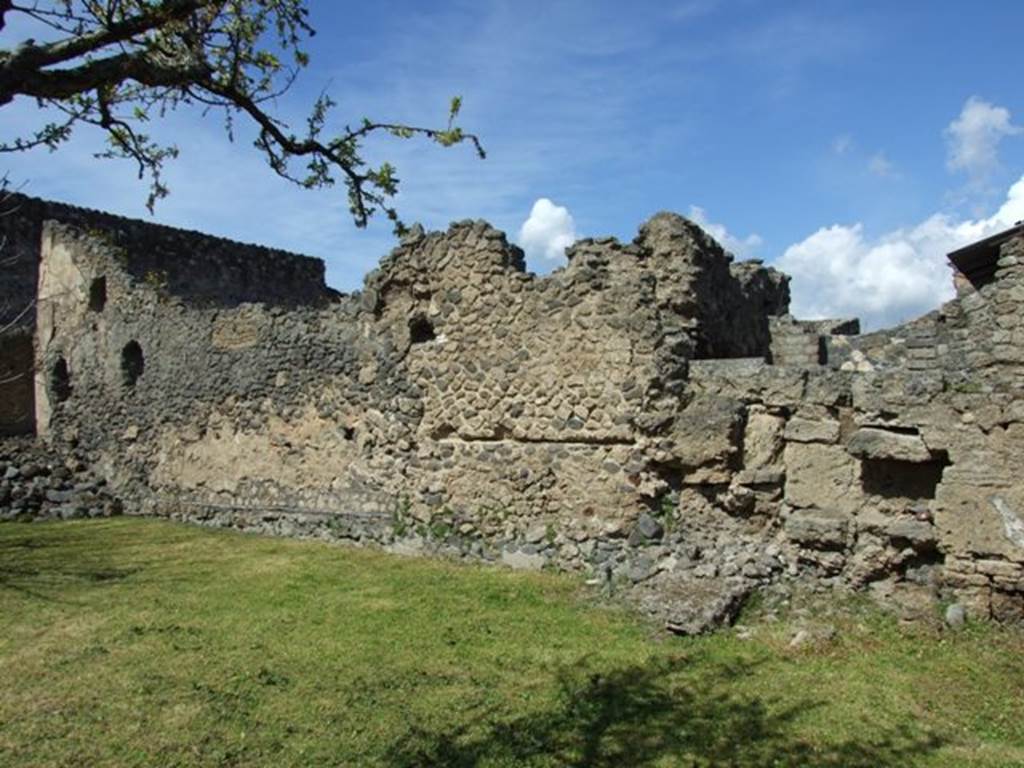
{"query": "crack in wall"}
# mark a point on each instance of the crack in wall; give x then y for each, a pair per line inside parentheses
(539, 441)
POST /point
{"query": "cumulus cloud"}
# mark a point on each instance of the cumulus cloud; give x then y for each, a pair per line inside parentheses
(743, 247)
(840, 271)
(546, 233)
(973, 138)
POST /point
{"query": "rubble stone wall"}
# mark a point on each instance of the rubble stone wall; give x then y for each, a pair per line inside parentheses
(199, 269)
(618, 417)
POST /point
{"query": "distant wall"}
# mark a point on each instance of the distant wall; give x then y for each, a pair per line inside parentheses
(199, 269)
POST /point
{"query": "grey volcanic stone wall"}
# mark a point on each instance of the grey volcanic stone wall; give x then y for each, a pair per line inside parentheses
(199, 269)
(618, 417)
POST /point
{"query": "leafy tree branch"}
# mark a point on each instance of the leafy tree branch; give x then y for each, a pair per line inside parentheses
(116, 64)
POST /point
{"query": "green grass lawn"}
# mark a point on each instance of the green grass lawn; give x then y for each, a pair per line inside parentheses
(138, 642)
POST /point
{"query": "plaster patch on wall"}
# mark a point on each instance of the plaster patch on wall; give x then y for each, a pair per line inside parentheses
(1012, 523)
(233, 331)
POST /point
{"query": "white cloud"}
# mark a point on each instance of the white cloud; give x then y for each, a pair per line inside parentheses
(742, 247)
(973, 138)
(880, 166)
(842, 144)
(546, 233)
(839, 271)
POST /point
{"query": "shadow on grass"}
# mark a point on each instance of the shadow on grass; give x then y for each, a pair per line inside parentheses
(42, 567)
(670, 712)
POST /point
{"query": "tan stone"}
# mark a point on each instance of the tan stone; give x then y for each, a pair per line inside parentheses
(762, 439)
(801, 430)
(823, 476)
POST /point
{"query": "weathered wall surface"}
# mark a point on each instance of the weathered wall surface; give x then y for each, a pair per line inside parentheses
(617, 416)
(17, 407)
(199, 269)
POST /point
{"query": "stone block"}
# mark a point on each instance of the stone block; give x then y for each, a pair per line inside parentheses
(981, 522)
(762, 439)
(799, 430)
(763, 476)
(708, 432)
(818, 528)
(918, 532)
(822, 476)
(875, 443)
(523, 561)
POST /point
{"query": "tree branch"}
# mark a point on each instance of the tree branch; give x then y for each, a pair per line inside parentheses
(45, 55)
(5, 6)
(65, 83)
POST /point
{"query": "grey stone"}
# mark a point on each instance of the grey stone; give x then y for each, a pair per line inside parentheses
(523, 561)
(695, 607)
(875, 443)
(536, 534)
(956, 616)
(917, 532)
(817, 528)
(649, 528)
(812, 431)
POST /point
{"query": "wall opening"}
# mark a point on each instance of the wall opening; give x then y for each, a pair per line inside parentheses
(902, 479)
(132, 363)
(60, 380)
(98, 294)
(421, 330)
(17, 382)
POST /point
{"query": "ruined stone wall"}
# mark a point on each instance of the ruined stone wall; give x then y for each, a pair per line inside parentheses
(895, 463)
(199, 269)
(617, 417)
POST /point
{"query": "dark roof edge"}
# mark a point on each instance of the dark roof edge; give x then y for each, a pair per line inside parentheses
(992, 241)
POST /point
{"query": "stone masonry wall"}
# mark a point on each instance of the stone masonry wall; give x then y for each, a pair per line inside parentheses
(617, 417)
(199, 269)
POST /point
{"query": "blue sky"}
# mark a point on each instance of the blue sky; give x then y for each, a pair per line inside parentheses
(851, 143)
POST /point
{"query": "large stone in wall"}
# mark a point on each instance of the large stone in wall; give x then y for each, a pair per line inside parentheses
(818, 528)
(706, 438)
(881, 444)
(976, 521)
(750, 380)
(801, 430)
(822, 476)
(979, 506)
(762, 439)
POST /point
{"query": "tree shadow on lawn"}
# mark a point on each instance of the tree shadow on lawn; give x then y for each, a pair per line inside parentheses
(42, 568)
(668, 712)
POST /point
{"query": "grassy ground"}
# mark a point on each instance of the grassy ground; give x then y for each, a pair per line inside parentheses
(136, 642)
